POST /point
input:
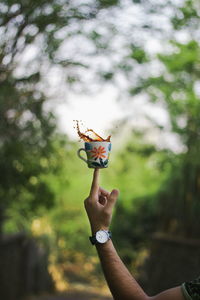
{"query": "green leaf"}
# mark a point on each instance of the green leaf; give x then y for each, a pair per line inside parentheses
(101, 162)
(105, 162)
(96, 164)
(138, 54)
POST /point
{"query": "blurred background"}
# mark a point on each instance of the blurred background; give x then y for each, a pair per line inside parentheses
(127, 68)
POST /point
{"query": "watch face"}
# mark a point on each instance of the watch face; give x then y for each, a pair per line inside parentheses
(102, 236)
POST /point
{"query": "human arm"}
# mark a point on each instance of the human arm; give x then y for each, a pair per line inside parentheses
(99, 206)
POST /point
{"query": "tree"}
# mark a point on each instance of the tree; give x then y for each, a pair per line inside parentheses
(177, 88)
(28, 130)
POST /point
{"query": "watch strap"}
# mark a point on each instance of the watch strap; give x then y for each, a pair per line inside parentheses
(93, 240)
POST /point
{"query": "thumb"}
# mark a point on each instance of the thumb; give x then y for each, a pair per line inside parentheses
(112, 198)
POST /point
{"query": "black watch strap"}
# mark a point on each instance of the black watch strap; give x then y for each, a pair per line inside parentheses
(94, 241)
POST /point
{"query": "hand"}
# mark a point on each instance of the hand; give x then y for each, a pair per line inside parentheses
(99, 205)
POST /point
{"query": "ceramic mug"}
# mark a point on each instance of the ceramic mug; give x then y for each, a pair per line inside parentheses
(97, 154)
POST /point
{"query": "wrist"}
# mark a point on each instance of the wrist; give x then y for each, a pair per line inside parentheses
(101, 236)
(94, 229)
(105, 246)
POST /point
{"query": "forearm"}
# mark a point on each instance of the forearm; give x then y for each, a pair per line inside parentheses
(123, 286)
(121, 283)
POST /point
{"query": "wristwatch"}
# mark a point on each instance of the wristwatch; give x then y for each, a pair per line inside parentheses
(100, 237)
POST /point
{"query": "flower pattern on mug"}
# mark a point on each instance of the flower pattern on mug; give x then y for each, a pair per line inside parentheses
(98, 152)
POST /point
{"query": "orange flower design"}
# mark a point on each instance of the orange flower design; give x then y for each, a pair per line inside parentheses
(98, 152)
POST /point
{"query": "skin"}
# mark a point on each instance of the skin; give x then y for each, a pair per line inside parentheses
(123, 286)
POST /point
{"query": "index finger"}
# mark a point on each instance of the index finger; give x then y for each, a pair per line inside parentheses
(95, 183)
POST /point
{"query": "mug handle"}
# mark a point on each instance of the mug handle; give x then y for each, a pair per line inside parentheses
(79, 155)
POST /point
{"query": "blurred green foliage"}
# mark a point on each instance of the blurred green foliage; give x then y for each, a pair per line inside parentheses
(177, 89)
(43, 183)
(30, 146)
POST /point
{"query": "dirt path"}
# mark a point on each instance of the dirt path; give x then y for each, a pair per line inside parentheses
(73, 296)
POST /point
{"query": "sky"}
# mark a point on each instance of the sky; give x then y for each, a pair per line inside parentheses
(97, 112)
(100, 110)
(103, 110)
(103, 113)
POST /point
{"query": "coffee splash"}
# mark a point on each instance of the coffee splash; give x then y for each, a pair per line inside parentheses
(90, 135)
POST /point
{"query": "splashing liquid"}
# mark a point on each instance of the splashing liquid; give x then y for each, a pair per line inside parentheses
(90, 135)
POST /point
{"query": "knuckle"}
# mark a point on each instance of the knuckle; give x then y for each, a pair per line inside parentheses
(107, 213)
(113, 199)
(86, 201)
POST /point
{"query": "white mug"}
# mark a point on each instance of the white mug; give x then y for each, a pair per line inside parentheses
(97, 154)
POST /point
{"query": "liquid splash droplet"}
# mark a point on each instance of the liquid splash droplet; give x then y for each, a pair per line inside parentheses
(90, 135)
